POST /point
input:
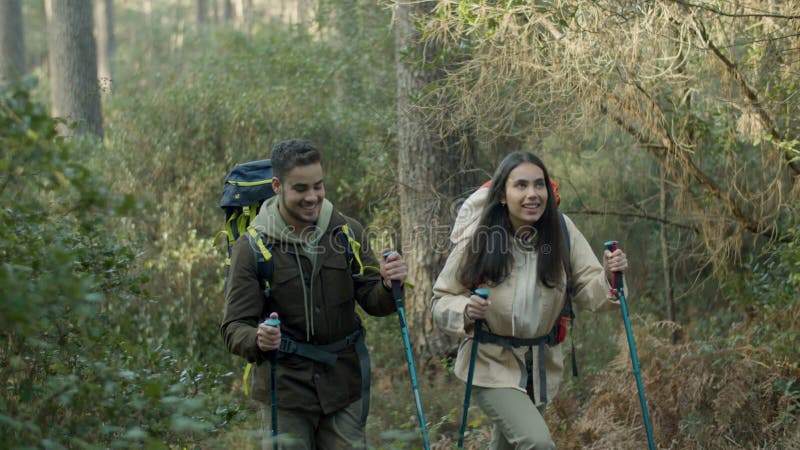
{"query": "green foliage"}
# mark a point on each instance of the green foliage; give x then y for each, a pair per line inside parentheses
(765, 295)
(112, 287)
(224, 98)
(76, 367)
(219, 99)
(41, 181)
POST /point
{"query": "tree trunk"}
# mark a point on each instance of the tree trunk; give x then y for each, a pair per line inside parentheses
(243, 10)
(227, 11)
(104, 38)
(238, 9)
(430, 179)
(12, 42)
(200, 12)
(349, 80)
(302, 12)
(73, 64)
(214, 12)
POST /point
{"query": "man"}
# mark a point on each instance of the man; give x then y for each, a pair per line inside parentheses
(322, 266)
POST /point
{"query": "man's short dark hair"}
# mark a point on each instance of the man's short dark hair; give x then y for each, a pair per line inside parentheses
(289, 154)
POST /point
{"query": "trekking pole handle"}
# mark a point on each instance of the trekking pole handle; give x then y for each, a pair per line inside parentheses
(617, 282)
(397, 289)
(272, 322)
(484, 294)
(397, 285)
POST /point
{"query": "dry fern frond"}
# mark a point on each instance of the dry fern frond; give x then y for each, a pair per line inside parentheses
(699, 395)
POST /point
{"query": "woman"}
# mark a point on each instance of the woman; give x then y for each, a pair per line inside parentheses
(509, 238)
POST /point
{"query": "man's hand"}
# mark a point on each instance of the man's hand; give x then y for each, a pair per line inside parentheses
(393, 267)
(268, 338)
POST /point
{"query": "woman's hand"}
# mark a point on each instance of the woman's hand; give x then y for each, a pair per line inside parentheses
(615, 261)
(476, 309)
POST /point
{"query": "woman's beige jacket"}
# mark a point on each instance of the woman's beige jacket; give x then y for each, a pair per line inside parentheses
(521, 306)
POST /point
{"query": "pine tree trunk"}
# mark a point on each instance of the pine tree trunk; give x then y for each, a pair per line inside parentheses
(238, 10)
(430, 178)
(104, 37)
(73, 64)
(12, 42)
(349, 84)
(302, 12)
(243, 10)
(200, 12)
(227, 11)
(214, 12)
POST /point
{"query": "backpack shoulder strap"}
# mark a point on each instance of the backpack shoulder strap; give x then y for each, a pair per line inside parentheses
(352, 249)
(264, 268)
(264, 264)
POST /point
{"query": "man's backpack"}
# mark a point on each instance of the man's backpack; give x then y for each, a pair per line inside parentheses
(246, 187)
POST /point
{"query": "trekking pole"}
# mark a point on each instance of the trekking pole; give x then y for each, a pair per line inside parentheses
(397, 292)
(484, 293)
(618, 288)
(273, 370)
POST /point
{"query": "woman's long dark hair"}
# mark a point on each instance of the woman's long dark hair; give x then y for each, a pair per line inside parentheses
(489, 257)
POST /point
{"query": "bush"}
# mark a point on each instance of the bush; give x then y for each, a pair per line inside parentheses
(77, 367)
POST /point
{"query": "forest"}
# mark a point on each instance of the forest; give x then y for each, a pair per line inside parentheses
(672, 126)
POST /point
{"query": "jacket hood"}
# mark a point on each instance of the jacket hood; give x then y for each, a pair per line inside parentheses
(270, 222)
(469, 215)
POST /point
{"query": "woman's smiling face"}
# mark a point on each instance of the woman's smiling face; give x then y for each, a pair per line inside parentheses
(525, 195)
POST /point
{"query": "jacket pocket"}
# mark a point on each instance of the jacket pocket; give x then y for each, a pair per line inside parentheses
(284, 275)
(337, 282)
(287, 292)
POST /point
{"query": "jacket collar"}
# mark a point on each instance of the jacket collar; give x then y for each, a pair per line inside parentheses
(270, 222)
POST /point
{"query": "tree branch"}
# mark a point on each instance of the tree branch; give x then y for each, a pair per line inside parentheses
(740, 16)
(595, 212)
(749, 93)
(670, 147)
